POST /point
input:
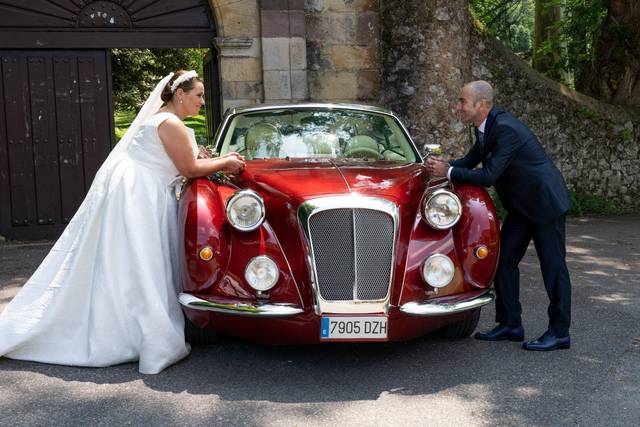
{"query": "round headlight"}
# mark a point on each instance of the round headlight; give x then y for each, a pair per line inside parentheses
(442, 210)
(245, 210)
(438, 270)
(262, 273)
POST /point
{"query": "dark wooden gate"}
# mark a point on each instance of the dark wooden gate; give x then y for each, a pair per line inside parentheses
(56, 118)
(212, 95)
(56, 131)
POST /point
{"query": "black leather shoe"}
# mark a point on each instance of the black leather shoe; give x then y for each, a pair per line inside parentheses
(548, 342)
(501, 333)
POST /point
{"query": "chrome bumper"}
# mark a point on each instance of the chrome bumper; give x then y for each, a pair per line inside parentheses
(257, 310)
(431, 308)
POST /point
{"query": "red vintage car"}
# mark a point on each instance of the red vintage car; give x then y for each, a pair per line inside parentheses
(333, 232)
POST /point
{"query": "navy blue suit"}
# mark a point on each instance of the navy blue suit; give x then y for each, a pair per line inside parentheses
(535, 196)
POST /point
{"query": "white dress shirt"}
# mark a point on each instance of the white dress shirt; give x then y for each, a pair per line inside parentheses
(480, 129)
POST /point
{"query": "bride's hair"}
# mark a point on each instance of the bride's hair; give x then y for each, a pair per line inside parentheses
(187, 85)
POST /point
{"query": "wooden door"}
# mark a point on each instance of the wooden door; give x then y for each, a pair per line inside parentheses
(56, 129)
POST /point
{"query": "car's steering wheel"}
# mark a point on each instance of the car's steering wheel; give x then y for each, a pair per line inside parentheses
(362, 152)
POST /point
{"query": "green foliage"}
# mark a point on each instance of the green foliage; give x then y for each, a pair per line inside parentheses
(578, 32)
(582, 204)
(586, 113)
(625, 135)
(589, 204)
(573, 38)
(123, 119)
(136, 71)
(500, 210)
(510, 21)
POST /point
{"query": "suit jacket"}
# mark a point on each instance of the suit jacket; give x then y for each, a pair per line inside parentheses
(515, 163)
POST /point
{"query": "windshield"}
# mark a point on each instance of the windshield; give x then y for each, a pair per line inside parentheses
(337, 134)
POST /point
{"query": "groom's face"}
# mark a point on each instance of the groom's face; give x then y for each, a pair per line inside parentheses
(466, 107)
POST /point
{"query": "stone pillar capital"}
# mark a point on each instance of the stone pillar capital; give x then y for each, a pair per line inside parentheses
(237, 47)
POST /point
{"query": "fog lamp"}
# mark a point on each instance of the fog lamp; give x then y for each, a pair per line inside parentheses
(438, 270)
(261, 273)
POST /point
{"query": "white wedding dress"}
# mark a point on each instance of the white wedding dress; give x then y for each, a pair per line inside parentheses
(106, 293)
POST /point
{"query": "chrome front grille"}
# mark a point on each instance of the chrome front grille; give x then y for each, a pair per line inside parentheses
(353, 253)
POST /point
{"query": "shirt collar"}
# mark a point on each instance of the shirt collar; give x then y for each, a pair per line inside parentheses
(482, 125)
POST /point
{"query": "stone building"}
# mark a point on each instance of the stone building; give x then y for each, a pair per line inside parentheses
(291, 50)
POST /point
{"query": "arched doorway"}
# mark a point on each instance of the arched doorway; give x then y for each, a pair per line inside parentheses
(56, 111)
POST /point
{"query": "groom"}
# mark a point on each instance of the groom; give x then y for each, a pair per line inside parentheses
(535, 196)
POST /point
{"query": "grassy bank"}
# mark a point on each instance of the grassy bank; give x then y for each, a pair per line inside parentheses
(581, 205)
(123, 120)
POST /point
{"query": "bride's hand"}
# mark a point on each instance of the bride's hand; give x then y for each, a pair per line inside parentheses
(203, 152)
(234, 154)
(233, 164)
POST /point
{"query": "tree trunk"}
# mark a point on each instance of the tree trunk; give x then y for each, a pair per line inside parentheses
(547, 15)
(614, 74)
(426, 60)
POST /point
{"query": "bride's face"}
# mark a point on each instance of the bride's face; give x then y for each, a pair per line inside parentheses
(193, 100)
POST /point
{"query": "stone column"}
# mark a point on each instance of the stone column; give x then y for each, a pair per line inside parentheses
(343, 50)
(239, 53)
(284, 53)
(426, 60)
(240, 71)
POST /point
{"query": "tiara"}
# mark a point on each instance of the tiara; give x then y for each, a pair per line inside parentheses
(183, 78)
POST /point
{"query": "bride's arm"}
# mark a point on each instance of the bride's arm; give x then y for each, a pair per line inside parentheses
(175, 138)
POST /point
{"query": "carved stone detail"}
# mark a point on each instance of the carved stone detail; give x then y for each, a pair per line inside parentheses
(102, 14)
(236, 46)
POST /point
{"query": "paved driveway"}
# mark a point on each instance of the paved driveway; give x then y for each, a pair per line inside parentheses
(428, 381)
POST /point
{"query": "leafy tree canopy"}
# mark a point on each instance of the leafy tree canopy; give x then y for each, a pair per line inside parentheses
(573, 39)
(510, 21)
(137, 71)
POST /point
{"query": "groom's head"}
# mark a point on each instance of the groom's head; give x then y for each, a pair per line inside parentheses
(475, 102)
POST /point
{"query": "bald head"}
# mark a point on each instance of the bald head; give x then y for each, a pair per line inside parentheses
(481, 90)
(475, 102)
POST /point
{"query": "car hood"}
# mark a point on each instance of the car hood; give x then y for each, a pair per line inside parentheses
(300, 179)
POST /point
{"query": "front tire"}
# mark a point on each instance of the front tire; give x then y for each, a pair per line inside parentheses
(462, 328)
(195, 335)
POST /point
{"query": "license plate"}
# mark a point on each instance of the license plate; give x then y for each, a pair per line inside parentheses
(353, 328)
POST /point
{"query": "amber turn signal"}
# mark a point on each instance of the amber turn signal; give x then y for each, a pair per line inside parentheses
(206, 253)
(482, 252)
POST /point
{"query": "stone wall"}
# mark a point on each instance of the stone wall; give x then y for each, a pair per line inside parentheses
(284, 53)
(425, 61)
(239, 51)
(261, 48)
(343, 50)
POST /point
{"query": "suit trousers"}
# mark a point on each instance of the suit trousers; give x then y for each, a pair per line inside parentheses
(549, 240)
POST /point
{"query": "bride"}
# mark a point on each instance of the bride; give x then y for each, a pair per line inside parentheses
(106, 293)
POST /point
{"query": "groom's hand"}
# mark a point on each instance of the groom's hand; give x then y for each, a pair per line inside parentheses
(437, 166)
